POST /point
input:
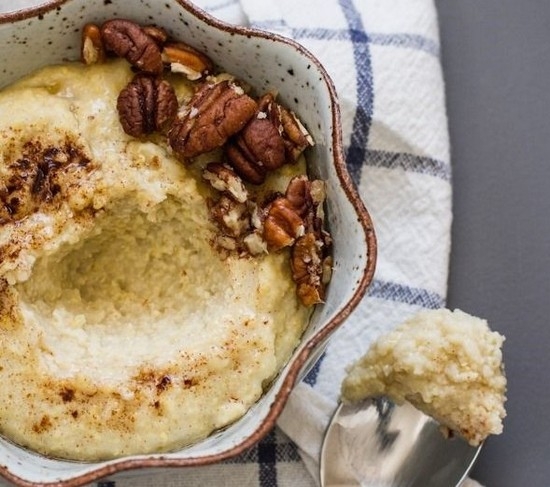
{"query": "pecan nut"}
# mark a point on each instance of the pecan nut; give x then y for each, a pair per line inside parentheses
(295, 136)
(241, 159)
(214, 113)
(128, 40)
(310, 269)
(310, 261)
(258, 148)
(225, 180)
(298, 193)
(273, 137)
(282, 225)
(187, 60)
(92, 50)
(307, 198)
(147, 104)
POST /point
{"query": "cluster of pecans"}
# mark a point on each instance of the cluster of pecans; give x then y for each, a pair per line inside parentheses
(255, 136)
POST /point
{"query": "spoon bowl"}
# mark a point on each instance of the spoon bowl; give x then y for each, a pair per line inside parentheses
(378, 443)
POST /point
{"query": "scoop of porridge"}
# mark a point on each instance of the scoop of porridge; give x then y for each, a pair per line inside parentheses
(446, 363)
(127, 324)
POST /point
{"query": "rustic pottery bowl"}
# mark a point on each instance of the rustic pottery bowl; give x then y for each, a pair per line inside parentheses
(50, 33)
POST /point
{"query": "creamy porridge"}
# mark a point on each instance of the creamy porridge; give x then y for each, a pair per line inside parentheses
(141, 306)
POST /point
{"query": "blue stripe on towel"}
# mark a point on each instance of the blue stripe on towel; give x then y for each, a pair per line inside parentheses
(311, 376)
(409, 162)
(408, 41)
(365, 91)
(395, 39)
(401, 293)
(267, 457)
(279, 449)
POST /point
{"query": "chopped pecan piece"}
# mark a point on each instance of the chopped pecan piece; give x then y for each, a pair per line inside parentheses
(310, 269)
(128, 40)
(282, 225)
(295, 136)
(214, 113)
(224, 179)
(264, 143)
(158, 34)
(92, 50)
(147, 104)
(310, 262)
(231, 216)
(187, 60)
(298, 193)
(307, 198)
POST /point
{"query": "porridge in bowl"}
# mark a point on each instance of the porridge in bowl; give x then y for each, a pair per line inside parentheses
(161, 247)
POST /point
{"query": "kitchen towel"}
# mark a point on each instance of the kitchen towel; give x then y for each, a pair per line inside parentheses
(384, 59)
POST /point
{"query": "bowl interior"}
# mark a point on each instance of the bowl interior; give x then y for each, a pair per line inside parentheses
(51, 34)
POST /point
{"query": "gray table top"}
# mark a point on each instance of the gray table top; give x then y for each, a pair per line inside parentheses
(496, 61)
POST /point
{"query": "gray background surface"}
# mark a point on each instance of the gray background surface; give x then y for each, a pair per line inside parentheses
(496, 61)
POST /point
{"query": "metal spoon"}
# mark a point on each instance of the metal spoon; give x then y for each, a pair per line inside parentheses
(377, 443)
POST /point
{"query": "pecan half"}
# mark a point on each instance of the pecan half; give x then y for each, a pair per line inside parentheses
(298, 193)
(187, 60)
(147, 104)
(258, 148)
(128, 40)
(282, 225)
(225, 180)
(241, 159)
(214, 113)
(265, 143)
(92, 50)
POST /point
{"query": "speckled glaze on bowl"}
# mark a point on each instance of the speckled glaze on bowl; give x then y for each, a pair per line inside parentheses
(51, 33)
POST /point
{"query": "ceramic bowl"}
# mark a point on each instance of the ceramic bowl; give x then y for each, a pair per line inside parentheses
(51, 33)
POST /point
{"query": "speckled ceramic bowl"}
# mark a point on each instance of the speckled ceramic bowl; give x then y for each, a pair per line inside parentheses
(51, 33)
